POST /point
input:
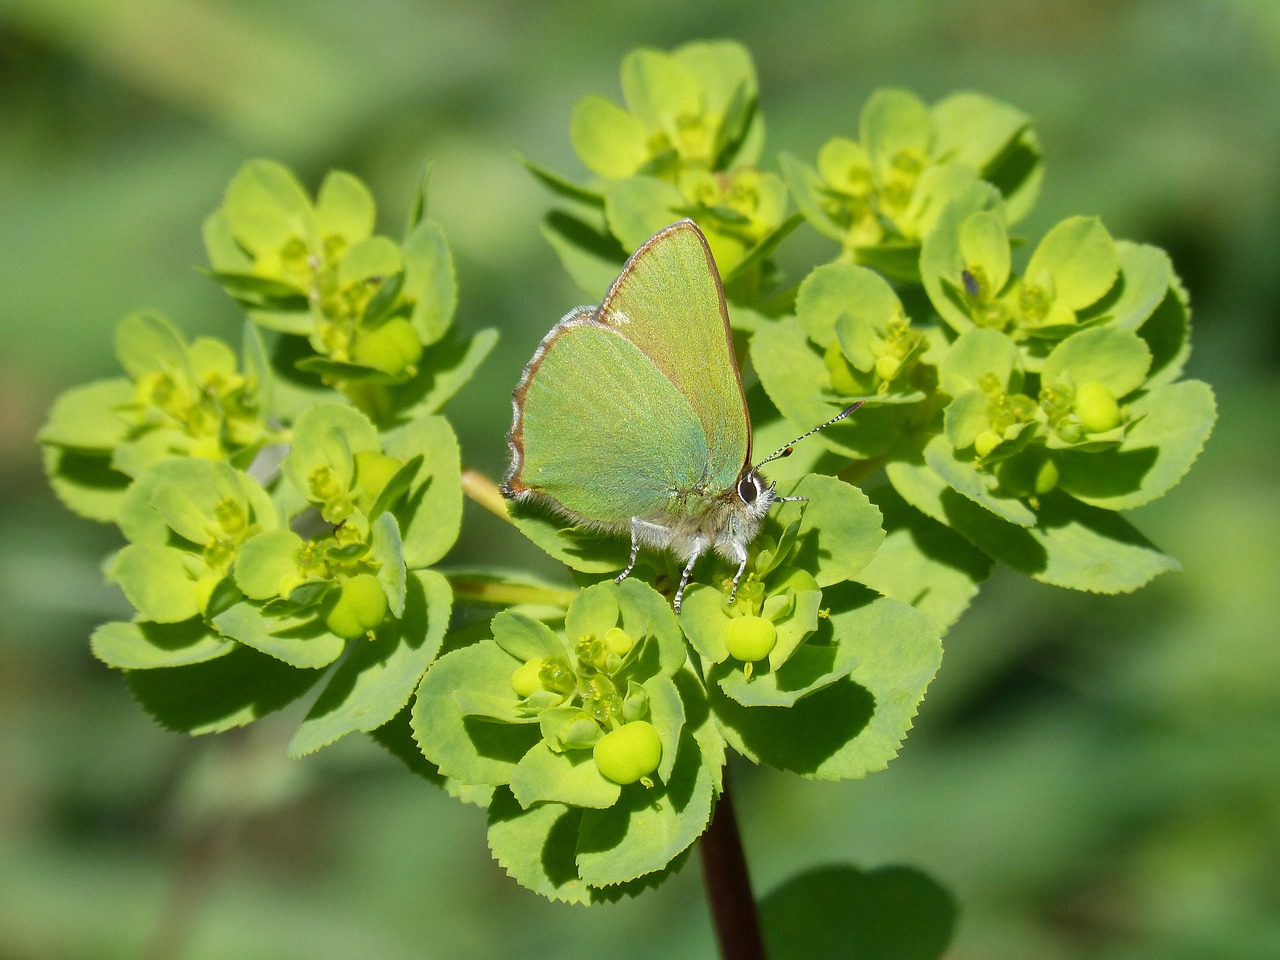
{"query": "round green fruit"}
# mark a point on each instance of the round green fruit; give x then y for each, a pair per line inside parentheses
(1096, 407)
(360, 607)
(750, 638)
(527, 679)
(628, 753)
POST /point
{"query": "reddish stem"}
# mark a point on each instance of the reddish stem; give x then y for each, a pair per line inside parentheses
(724, 872)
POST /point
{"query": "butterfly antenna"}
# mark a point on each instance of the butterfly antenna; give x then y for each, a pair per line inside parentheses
(785, 451)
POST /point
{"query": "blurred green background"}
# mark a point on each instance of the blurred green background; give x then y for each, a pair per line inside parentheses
(1089, 776)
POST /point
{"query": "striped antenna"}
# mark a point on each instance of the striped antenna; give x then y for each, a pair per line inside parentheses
(785, 451)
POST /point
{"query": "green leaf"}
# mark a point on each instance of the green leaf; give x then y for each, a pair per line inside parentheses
(386, 552)
(842, 289)
(373, 259)
(941, 259)
(984, 243)
(345, 208)
(977, 352)
(378, 678)
(592, 257)
(264, 561)
(966, 417)
(659, 89)
(299, 639)
(1145, 276)
(806, 188)
(430, 283)
(1170, 427)
(1080, 257)
(794, 377)
(265, 206)
(764, 248)
(667, 714)
(638, 207)
(525, 638)
(963, 475)
(163, 583)
(1073, 545)
(145, 646)
(610, 141)
(327, 435)
(470, 749)
(444, 370)
(894, 121)
(562, 186)
(1118, 359)
(891, 913)
(924, 563)
(572, 777)
(813, 667)
(839, 532)
(86, 484)
(220, 694)
(577, 547)
(94, 416)
(855, 726)
(536, 846)
(648, 827)
(148, 342)
(430, 515)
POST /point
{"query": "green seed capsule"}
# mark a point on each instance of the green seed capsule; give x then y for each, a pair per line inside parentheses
(628, 753)
(1096, 407)
(750, 638)
(527, 679)
(360, 607)
(987, 441)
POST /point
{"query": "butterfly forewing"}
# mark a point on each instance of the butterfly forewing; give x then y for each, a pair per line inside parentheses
(600, 430)
(669, 303)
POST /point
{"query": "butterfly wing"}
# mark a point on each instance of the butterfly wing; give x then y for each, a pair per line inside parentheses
(669, 302)
(599, 430)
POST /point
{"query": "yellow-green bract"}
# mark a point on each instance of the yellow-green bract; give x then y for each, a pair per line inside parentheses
(631, 418)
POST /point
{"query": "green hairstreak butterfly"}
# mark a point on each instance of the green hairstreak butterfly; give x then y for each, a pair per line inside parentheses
(630, 417)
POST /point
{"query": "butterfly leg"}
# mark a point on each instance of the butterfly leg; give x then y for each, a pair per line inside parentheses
(635, 551)
(696, 551)
(740, 554)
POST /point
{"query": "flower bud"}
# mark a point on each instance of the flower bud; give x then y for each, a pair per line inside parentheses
(527, 678)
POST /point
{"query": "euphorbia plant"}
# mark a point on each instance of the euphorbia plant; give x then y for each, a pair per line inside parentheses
(289, 507)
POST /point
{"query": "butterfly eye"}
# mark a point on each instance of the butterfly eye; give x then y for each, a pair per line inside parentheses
(748, 489)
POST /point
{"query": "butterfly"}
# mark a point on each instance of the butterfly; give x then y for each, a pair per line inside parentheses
(631, 418)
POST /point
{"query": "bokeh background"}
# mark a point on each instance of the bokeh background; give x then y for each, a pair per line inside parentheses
(1088, 777)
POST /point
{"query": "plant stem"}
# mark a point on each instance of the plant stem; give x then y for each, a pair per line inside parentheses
(479, 591)
(724, 873)
(484, 492)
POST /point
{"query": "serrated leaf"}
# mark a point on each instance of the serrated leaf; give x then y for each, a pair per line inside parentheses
(941, 260)
(161, 582)
(264, 561)
(793, 376)
(836, 289)
(146, 646)
(1073, 545)
(855, 726)
(525, 638)
(265, 206)
(924, 563)
(297, 638)
(92, 417)
(839, 531)
(469, 749)
(535, 846)
(372, 685)
(648, 827)
(1118, 359)
(1170, 427)
(87, 484)
(961, 474)
(576, 547)
(430, 515)
(220, 694)
(1080, 257)
(430, 282)
(444, 370)
(572, 778)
